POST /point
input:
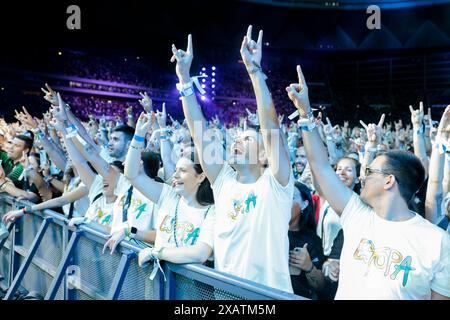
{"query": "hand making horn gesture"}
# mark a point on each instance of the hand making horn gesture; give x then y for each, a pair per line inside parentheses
(146, 102)
(184, 61)
(161, 116)
(298, 93)
(417, 116)
(50, 95)
(251, 51)
(373, 131)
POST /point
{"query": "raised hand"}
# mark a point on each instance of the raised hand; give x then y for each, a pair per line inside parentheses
(184, 61)
(251, 51)
(59, 111)
(298, 93)
(146, 102)
(50, 95)
(373, 131)
(417, 116)
(398, 125)
(143, 124)
(161, 116)
(252, 117)
(443, 131)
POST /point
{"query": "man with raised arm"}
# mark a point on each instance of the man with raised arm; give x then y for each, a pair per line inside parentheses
(389, 252)
(253, 206)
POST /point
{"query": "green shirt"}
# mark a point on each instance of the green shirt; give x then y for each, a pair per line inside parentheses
(12, 171)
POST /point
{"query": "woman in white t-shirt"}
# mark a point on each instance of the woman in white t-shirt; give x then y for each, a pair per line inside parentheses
(185, 219)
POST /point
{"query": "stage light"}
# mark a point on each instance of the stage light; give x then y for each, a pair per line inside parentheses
(234, 103)
(213, 86)
(213, 68)
(203, 86)
(203, 98)
(213, 74)
(213, 80)
(59, 53)
(137, 58)
(203, 69)
(203, 80)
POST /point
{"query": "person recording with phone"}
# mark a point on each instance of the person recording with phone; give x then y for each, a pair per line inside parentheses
(305, 247)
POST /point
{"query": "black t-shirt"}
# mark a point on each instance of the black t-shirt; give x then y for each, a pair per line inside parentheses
(298, 239)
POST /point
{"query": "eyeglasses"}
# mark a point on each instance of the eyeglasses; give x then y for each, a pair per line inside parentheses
(369, 171)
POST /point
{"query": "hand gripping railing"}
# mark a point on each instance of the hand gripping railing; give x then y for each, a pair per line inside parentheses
(182, 279)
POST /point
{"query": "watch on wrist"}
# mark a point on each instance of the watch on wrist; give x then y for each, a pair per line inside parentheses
(310, 269)
(133, 232)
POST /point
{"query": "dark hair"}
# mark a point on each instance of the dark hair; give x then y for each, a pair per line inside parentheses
(118, 164)
(151, 163)
(204, 194)
(306, 221)
(27, 139)
(357, 187)
(126, 130)
(408, 171)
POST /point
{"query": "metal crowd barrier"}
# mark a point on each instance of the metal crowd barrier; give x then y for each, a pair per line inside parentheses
(43, 256)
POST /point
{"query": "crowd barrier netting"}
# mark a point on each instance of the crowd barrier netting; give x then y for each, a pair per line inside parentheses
(45, 257)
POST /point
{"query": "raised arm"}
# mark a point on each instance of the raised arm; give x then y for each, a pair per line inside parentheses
(418, 135)
(373, 132)
(435, 192)
(333, 189)
(165, 144)
(274, 144)
(85, 172)
(194, 116)
(133, 170)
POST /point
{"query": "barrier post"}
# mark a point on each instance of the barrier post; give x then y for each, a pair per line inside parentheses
(170, 285)
(120, 275)
(63, 266)
(24, 267)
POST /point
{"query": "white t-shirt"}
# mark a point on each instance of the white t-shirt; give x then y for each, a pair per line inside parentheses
(99, 211)
(384, 259)
(251, 229)
(141, 212)
(192, 224)
(331, 227)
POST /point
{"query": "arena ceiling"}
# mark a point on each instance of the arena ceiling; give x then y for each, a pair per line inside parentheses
(348, 4)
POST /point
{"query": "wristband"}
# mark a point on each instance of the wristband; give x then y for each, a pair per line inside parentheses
(256, 68)
(310, 269)
(71, 131)
(138, 138)
(186, 92)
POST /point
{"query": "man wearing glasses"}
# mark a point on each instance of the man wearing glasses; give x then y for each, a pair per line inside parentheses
(389, 252)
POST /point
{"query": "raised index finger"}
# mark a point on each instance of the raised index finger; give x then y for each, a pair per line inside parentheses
(421, 107)
(189, 45)
(380, 123)
(301, 78)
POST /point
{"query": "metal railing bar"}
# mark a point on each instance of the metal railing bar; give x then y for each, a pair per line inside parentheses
(26, 263)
